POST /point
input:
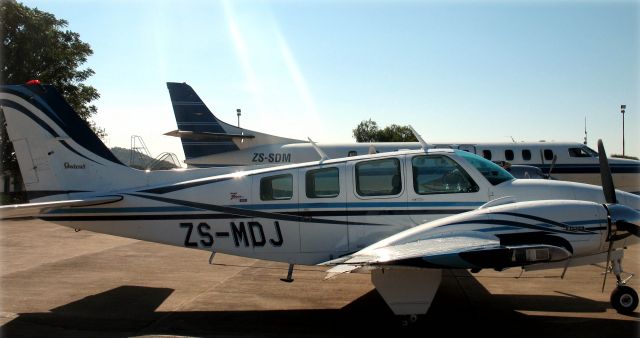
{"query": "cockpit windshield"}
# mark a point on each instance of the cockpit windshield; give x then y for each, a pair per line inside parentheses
(491, 171)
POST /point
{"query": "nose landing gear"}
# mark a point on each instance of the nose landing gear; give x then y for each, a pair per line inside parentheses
(623, 298)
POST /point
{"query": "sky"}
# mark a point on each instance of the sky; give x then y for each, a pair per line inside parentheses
(457, 71)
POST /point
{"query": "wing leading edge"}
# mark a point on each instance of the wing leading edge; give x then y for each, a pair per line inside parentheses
(453, 251)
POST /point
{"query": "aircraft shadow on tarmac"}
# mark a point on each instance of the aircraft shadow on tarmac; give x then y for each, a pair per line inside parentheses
(131, 310)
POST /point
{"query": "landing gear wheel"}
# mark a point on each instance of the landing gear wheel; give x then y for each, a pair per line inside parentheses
(408, 320)
(624, 299)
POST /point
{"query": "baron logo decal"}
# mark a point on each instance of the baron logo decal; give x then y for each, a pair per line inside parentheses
(236, 196)
(68, 165)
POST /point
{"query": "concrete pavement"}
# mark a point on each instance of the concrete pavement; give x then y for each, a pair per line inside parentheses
(56, 282)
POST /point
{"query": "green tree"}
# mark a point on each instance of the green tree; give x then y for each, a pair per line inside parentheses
(36, 45)
(368, 131)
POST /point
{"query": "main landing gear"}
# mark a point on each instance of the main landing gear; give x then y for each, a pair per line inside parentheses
(408, 320)
(623, 298)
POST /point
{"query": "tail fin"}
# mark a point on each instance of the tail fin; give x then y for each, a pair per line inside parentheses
(203, 134)
(57, 152)
(200, 131)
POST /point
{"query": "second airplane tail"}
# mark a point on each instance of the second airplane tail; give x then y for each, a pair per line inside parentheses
(199, 130)
(202, 133)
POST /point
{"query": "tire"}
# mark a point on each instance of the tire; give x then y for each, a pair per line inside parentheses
(624, 299)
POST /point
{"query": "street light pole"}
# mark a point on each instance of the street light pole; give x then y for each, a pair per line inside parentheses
(623, 107)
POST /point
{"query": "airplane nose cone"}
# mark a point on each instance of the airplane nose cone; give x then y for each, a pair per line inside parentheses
(625, 218)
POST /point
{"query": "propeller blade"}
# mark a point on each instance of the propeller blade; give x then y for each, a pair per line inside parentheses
(605, 175)
(553, 164)
(631, 228)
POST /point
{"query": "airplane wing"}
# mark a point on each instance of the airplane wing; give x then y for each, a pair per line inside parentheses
(35, 209)
(467, 250)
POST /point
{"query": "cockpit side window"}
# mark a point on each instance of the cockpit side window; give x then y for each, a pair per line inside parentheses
(437, 174)
(582, 152)
(491, 171)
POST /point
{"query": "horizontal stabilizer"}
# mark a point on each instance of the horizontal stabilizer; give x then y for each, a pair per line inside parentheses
(35, 209)
(203, 135)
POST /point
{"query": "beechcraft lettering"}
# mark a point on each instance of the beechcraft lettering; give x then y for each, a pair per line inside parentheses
(404, 216)
(210, 142)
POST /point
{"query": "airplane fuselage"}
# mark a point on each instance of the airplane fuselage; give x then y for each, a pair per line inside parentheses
(314, 212)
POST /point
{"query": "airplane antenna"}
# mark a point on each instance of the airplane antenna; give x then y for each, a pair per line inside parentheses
(585, 130)
(424, 144)
(512, 139)
(323, 155)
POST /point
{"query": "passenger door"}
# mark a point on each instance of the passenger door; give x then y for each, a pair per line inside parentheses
(377, 200)
(323, 205)
(274, 227)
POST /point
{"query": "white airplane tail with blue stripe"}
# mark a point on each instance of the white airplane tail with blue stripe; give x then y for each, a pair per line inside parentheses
(59, 156)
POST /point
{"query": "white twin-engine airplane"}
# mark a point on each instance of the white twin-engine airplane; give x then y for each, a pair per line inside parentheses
(404, 215)
(208, 141)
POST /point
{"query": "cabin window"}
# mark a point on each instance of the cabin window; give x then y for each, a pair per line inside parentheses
(352, 153)
(278, 187)
(440, 175)
(378, 177)
(486, 154)
(526, 154)
(548, 154)
(508, 155)
(578, 152)
(322, 183)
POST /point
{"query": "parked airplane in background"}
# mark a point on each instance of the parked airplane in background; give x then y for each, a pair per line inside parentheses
(405, 215)
(208, 142)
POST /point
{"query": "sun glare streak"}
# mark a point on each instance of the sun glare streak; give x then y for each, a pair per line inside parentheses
(299, 82)
(243, 55)
(296, 74)
(159, 37)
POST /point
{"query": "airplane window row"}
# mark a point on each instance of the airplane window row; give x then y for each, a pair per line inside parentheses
(548, 154)
(509, 155)
(383, 177)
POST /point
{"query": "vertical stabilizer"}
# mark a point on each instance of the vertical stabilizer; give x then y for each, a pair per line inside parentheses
(203, 134)
(57, 152)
